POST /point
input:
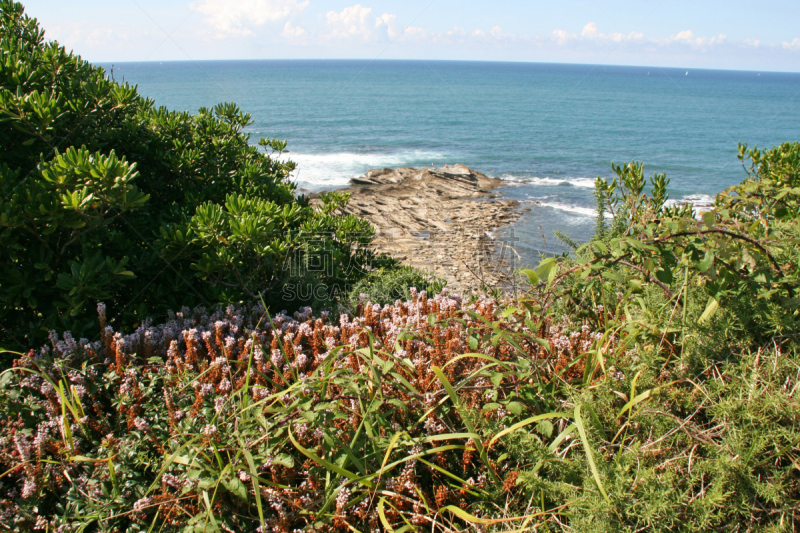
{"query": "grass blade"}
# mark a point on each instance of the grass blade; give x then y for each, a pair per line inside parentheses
(113, 474)
(589, 455)
(524, 423)
(327, 464)
(210, 511)
(382, 515)
(561, 437)
(462, 411)
(256, 486)
(467, 517)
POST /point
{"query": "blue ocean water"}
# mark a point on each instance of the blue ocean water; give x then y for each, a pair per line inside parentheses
(548, 129)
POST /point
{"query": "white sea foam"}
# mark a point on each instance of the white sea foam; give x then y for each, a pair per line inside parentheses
(330, 170)
(581, 183)
(701, 202)
(572, 209)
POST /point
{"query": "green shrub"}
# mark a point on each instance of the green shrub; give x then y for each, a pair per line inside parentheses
(692, 419)
(389, 285)
(104, 196)
(740, 256)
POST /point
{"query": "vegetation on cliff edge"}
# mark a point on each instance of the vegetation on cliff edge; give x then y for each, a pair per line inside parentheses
(647, 382)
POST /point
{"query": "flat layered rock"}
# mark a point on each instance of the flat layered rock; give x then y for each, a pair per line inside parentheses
(438, 219)
(454, 178)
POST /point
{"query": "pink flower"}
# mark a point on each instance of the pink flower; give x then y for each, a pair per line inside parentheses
(141, 504)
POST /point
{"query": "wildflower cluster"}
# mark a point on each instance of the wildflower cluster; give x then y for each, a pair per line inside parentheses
(142, 425)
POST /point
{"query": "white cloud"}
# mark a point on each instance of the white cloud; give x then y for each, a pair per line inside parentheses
(688, 37)
(457, 31)
(562, 37)
(84, 36)
(498, 33)
(390, 21)
(414, 33)
(353, 22)
(290, 31)
(240, 17)
(357, 22)
(591, 35)
(305, 28)
(590, 31)
(360, 24)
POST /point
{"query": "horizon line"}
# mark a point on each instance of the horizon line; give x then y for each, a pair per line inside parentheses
(519, 62)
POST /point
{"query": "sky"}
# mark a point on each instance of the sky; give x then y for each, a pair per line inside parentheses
(733, 34)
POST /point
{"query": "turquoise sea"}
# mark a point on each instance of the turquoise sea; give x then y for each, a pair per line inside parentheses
(547, 129)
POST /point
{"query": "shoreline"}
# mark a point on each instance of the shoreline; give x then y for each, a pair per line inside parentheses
(439, 220)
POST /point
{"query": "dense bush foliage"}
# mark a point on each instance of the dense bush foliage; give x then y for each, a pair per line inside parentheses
(389, 285)
(104, 196)
(742, 253)
(709, 301)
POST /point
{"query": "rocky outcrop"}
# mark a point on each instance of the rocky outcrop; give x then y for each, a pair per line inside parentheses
(455, 179)
(438, 219)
